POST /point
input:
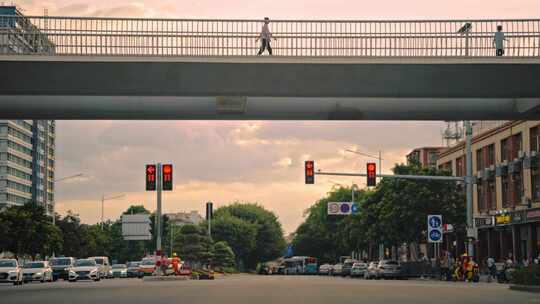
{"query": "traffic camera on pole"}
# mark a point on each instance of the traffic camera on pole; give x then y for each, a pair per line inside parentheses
(371, 174)
(151, 178)
(310, 172)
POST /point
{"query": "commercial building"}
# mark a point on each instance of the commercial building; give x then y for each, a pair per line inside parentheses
(425, 156)
(506, 199)
(185, 218)
(27, 147)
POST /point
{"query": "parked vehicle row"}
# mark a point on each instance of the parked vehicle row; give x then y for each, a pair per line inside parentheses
(384, 269)
(66, 268)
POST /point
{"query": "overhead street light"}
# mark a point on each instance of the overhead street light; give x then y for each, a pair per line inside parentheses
(103, 199)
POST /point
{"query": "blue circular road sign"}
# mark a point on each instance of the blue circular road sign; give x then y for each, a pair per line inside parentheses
(435, 222)
(435, 235)
(354, 208)
(344, 208)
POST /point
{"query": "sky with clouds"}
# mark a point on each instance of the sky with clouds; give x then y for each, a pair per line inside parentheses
(221, 161)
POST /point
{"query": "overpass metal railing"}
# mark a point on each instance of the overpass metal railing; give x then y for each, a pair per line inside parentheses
(311, 38)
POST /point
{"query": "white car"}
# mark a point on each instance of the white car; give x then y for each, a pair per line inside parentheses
(119, 270)
(337, 269)
(325, 269)
(10, 272)
(37, 271)
(84, 269)
(105, 269)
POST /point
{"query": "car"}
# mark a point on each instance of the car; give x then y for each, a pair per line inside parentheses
(10, 272)
(372, 271)
(60, 267)
(147, 267)
(347, 265)
(325, 269)
(184, 270)
(85, 269)
(37, 271)
(119, 270)
(358, 269)
(337, 269)
(389, 269)
(105, 270)
(206, 274)
(133, 269)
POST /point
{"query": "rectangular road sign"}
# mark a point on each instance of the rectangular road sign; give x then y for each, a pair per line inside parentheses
(341, 208)
(435, 228)
(136, 227)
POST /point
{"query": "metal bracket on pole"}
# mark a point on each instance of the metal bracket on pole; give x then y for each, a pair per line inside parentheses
(424, 177)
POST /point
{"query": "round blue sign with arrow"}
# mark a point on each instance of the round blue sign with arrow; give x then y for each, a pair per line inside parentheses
(354, 208)
(344, 208)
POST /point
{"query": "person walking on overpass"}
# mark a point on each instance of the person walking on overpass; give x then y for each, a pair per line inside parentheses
(265, 37)
(498, 41)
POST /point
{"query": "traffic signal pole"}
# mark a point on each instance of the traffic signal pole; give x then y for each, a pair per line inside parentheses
(469, 184)
(159, 186)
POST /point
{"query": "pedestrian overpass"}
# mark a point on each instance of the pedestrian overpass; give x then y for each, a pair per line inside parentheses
(127, 68)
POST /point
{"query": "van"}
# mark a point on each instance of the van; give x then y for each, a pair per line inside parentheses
(104, 266)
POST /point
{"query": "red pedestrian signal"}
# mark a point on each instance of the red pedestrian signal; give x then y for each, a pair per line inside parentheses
(310, 172)
(371, 174)
(150, 177)
(167, 171)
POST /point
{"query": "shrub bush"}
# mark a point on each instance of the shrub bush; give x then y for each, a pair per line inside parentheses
(527, 275)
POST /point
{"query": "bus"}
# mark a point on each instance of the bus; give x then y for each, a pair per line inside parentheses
(300, 265)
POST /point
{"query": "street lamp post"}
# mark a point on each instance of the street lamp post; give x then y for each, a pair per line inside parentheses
(57, 181)
(381, 248)
(103, 199)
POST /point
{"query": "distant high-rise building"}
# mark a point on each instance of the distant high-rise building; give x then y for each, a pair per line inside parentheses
(27, 147)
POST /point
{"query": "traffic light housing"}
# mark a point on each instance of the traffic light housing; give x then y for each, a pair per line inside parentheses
(310, 172)
(151, 178)
(371, 174)
(209, 211)
(166, 176)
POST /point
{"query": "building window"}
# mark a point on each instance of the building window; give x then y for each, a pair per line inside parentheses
(460, 166)
(517, 189)
(491, 155)
(479, 160)
(517, 145)
(505, 149)
(505, 197)
(481, 206)
(535, 183)
(432, 159)
(534, 141)
(492, 196)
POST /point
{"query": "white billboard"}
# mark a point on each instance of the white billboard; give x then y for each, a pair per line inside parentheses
(136, 227)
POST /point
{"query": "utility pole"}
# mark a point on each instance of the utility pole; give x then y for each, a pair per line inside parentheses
(158, 211)
(469, 189)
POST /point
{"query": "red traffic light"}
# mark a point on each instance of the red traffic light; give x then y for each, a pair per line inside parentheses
(150, 177)
(371, 174)
(167, 171)
(310, 171)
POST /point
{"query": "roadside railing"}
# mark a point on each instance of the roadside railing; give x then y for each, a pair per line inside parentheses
(302, 38)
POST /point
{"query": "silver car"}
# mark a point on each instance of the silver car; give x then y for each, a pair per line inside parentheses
(389, 269)
(120, 270)
(37, 271)
(358, 269)
(10, 272)
(372, 271)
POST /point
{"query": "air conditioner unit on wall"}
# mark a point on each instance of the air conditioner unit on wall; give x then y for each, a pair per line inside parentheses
(480, 174)
(521, 154)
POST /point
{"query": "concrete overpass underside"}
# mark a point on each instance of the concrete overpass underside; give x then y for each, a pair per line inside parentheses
(269, 88)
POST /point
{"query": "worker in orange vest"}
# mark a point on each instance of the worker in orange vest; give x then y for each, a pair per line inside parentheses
(175, 263)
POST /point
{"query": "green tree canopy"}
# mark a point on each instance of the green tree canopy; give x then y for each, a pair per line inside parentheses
(254, 233)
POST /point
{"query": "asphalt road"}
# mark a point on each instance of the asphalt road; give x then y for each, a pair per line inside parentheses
(251, 289)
